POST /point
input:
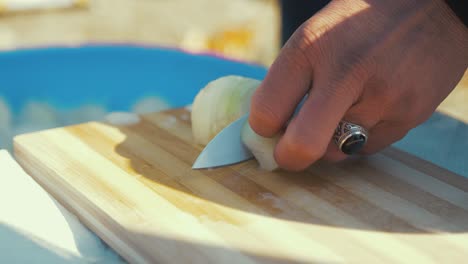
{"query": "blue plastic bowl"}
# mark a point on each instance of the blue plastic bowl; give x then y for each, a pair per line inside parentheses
(112, 76)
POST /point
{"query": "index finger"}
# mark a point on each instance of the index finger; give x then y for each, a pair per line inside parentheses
(308, 135)
(287, 81)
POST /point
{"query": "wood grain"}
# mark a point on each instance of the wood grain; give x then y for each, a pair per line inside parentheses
(134, 186)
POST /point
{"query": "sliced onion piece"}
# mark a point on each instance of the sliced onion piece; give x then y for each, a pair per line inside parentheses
(220, 103)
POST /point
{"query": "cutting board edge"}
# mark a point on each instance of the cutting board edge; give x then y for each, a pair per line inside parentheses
(35, 157)
(69, 202)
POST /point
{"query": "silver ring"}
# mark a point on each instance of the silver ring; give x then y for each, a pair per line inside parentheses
(349, 137)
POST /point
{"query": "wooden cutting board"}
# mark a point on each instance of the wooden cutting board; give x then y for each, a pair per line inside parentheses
(133, 185)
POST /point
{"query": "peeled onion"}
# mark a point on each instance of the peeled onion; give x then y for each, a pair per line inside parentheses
(221, 102)
(218, 104)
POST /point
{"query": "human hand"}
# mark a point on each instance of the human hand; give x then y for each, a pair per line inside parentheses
(385, 65)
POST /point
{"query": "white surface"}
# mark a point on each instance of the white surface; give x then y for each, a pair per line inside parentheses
(122, 118)
(34, 228)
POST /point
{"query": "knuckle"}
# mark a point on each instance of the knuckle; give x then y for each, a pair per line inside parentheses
(355, 66)
(367, 118)
(406, 109)
(381, 91)
(344, 93)
(310, 41)
(350, 75)
(420, 108)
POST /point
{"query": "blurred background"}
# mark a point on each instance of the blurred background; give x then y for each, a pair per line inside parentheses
(241, 29)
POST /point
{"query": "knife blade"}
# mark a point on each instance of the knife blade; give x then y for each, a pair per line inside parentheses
(226, 148)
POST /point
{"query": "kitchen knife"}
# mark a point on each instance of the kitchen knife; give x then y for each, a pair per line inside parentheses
(226, 148)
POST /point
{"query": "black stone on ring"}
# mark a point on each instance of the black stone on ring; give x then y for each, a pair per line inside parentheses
(349, 137)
